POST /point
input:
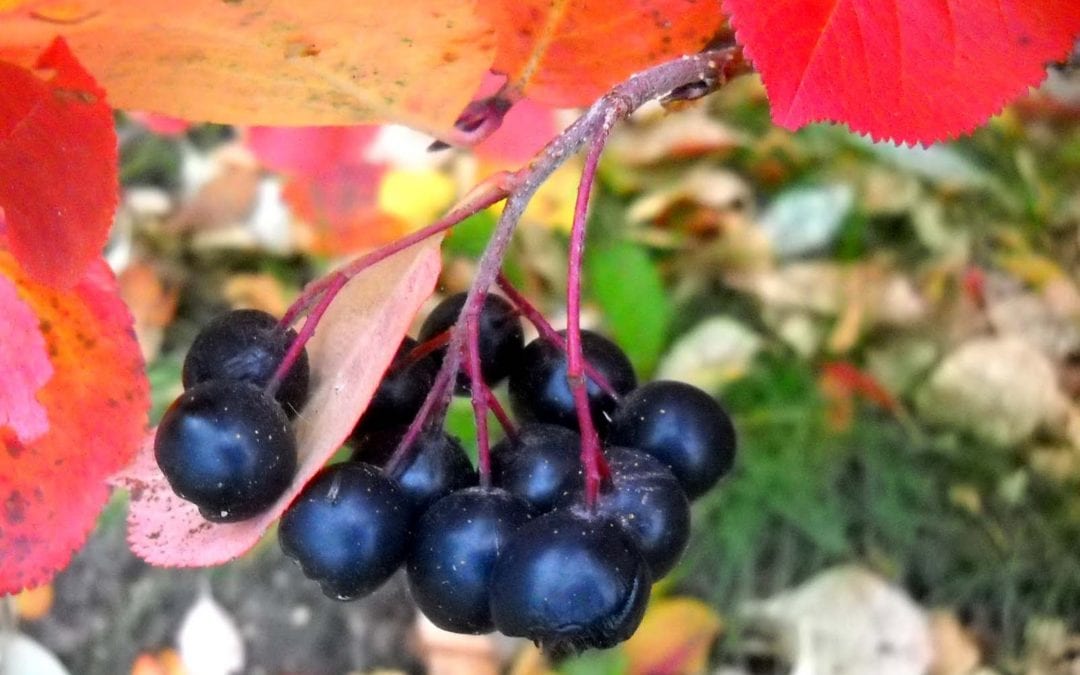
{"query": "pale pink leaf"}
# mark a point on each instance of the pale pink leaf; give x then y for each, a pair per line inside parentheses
(351, 348)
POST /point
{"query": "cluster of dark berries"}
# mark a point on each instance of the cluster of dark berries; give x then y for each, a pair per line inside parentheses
(518, 550)
(225, 443)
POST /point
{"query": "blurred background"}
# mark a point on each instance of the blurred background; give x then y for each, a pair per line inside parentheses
(895, 330)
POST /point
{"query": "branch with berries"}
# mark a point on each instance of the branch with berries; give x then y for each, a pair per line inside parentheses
(559, 532)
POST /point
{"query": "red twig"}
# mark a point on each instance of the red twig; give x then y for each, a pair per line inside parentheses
(427, 347)
(533, 315)
(592, 458)
(500, 414)
(337, 282)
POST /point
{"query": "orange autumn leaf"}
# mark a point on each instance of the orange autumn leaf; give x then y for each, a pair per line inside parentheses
(268, 61)
(563, 53)
(58, 174)
(72, 413)
(34, 603)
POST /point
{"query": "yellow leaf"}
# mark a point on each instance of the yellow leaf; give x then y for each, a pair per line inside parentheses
(415, 196)
(1032, 268)
(553, 203)
(34, 603)
(674, 637)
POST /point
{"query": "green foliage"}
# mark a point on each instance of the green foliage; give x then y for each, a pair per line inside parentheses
(623, 280)
(606, 662)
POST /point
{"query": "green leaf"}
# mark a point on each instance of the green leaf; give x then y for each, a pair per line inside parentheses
(624, 281)
(605, 662)
(470, 236)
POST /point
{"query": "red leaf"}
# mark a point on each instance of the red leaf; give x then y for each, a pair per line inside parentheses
(846, 378)
(332, 185)
(163, 125)
(311, 151)
(910, 70)
(351, 348)
(526, 128)
(566, 54)
(58, 166)
(72, 413)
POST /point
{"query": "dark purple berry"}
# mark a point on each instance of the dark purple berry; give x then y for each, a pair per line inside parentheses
(542, 465)
(247, 345)
(501, 338)
(226, 447)
(683, 427)
(348, 529)
(650, 503)
(569, 581)
(438, 466)
(401, 392)
(455, 548)
(539, 391)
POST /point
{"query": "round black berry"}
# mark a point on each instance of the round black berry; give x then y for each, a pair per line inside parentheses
(400, 394)
(539, 391)
(683, 427)
(226, 447)
(647, 499)
(247, 345)
(570, 581)
(501, 338)
(454, 551)
(542, 465)
(348, 529)
(438, 466)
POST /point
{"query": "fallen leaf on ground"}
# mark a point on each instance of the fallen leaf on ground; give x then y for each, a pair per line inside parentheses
(1001, 389)
(848, 619)
(674, 638)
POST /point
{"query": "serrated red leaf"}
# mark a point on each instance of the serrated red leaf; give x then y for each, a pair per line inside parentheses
(354, 343)
(93, 397)
(566, 54)
(909, 70)
(58, 166)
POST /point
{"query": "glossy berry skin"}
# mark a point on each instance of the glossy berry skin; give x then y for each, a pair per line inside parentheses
(570, 581)
(454, 550)
(439, 465)
(649, 502)
(247, 345)
(226, 447)
(683, 427)
(539, 391)
(501, 338)
(400, 394)
(348, 529)
(542, 466)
